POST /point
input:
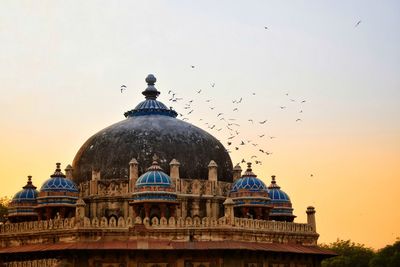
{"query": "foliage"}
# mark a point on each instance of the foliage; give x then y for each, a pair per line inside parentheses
(389, 256)
(349, 253)
(4, 201)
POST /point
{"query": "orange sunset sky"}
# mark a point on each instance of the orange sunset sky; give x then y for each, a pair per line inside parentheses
(62, 64)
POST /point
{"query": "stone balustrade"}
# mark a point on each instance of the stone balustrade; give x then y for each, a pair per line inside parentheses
(155, 223)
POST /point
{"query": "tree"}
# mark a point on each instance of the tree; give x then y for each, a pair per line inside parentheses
(349, 253)
(4, 201)
(389, 256)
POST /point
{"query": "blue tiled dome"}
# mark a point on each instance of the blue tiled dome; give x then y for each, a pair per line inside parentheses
(282, 206)
(27, 194)
(276, 194)
(58, 182)
(250, 182)
(154, 177)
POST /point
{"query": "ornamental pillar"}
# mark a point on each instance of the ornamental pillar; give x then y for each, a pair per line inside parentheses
(133, 174)
(311, 218)
(174, 174)
(237, 172)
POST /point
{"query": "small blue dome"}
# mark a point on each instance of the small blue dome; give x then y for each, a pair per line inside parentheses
(249, 183)
(58, 182)
(27, 194)
(276, 194)
(154, 177)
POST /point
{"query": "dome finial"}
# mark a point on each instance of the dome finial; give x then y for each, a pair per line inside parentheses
(249, 167)
(58, 172)
(151, 79)
(29, 183)
(151, 92)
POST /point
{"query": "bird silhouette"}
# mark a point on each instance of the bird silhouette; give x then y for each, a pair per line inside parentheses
(192, 66)
(199, 91)
(265, 28)
(236, 148)
(213, 84)
(282, 107)
(358, 23)
(303, 101)
(261, 136)
(219, 114)
(243, 161)
(298, 120)
(242, 143)
(262, 122)
(235, 109)
(251, 121)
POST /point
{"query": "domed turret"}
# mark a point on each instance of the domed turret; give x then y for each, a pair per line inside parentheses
(250, 196)
(151, 128)
(57, 196)
(282, 206)
(155, 194)
(22, 205)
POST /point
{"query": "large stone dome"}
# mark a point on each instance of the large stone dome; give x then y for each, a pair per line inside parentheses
(151, 128)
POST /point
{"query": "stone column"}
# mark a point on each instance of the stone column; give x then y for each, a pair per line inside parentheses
(184, 208)
(237, 172)
(311, 218)
(196, 207)
(212, 171)
(133, 174)
(68, 171)
(208, 208)
(147, 210)
(93, 186)
(163, 210)
(215, 209)
(174, 174)
(126, 209)
(80, 210)
(93, 208)
(229, 213)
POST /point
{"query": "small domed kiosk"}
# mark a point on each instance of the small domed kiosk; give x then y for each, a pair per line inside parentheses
(155, 194)
(57, 196)
(250, 196)
(282, 206)
(22, 205)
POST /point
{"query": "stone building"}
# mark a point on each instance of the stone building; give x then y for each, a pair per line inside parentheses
(156, 191)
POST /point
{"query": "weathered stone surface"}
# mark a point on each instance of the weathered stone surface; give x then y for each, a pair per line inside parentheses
(111, 149)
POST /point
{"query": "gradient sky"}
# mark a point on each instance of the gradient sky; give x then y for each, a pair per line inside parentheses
(62, 64)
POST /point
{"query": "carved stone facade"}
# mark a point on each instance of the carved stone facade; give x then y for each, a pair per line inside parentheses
(154, 219)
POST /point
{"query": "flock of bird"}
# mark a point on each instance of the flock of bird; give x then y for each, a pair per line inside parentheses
(234, 141)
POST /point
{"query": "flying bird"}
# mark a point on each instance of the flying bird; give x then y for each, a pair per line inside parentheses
(261, 136)
(358, 23)
(242, 161)
(123, 87)
(213, 84)
(219, 114)
(265, 28)
(303, 101)
(235, 109)
(192, 66)
(262, 122)
(199, 91)
(298, 120)
(282, 107)
(251, 121)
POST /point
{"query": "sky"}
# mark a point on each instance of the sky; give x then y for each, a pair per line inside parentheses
(62, 64)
